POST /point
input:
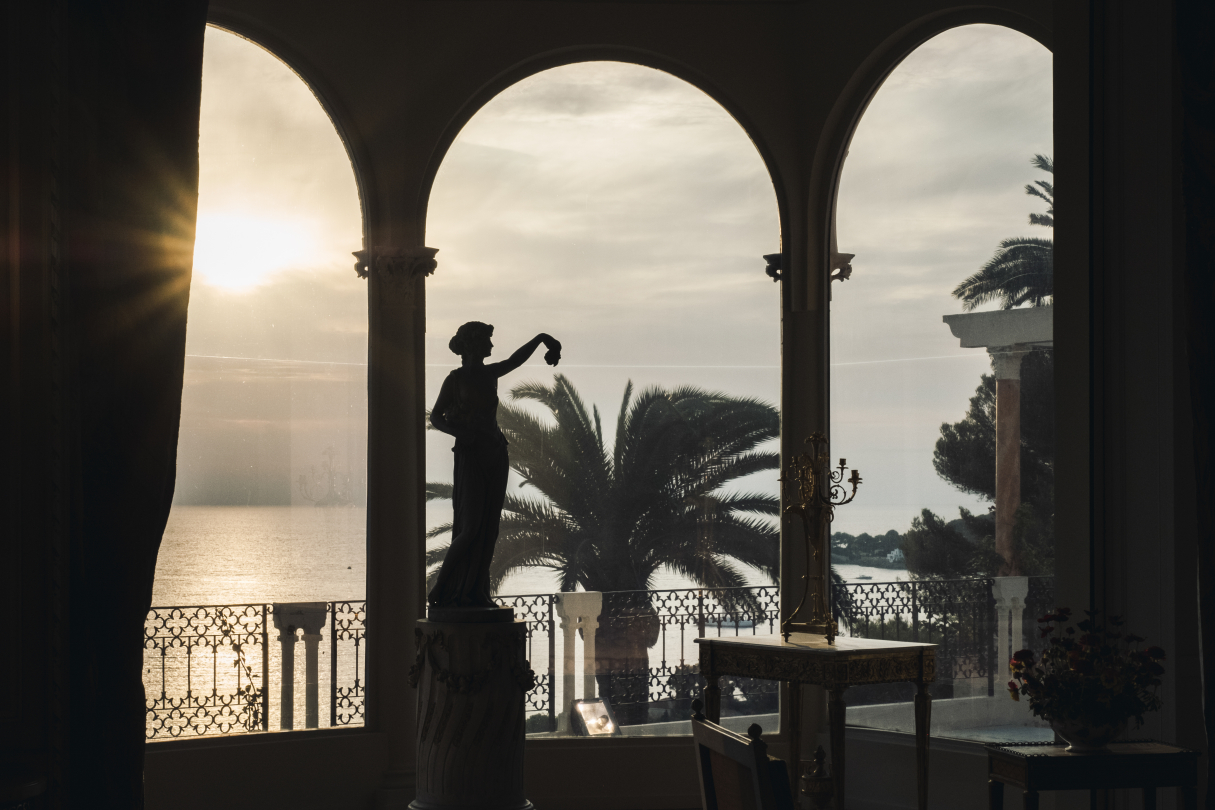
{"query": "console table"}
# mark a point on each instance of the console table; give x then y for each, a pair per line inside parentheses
(1046, 766)
(808, 659)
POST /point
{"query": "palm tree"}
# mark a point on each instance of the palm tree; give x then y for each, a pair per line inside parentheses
(609, 519)
(1022, 271)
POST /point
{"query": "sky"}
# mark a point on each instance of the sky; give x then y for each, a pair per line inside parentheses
(624, 212)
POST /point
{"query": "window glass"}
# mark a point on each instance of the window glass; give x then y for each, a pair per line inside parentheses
(941, 341)
(625, 213)
(269, 502)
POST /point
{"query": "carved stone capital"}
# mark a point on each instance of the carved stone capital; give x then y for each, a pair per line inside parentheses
(1006, 360)
(841, 266)
(396, 265)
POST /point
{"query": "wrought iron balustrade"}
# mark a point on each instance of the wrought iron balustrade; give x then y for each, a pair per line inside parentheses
(207, 668)
(957, 614)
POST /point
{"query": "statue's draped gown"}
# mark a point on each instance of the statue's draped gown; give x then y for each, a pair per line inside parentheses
(479, 489)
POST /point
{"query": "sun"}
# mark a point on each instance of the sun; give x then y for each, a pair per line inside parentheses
(240, 250)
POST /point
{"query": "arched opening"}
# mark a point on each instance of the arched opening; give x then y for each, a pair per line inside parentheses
(265, 539)
(941, 371)
(624, 212)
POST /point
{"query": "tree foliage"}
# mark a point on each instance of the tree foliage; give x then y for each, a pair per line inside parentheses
(1022, 271)
(610, 518)
(965, 456)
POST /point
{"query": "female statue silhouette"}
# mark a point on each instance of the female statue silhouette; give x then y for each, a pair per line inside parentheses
(467, 408)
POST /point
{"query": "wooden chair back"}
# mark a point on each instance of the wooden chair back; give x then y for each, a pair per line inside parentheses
(736, 772)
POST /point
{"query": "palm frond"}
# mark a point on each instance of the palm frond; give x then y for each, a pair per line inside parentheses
(1021, 271)
(438, 531)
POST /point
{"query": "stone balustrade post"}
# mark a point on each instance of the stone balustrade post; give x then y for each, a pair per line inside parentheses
(286, 640)
(1009, 593)
(309, 617)
(577, 611)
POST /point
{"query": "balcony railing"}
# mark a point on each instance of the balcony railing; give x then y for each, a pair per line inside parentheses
(208, 668)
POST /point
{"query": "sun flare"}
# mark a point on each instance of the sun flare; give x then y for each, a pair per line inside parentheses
(238, 251)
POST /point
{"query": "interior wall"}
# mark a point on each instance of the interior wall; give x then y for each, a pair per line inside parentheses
(1125, 486)
(399, 80)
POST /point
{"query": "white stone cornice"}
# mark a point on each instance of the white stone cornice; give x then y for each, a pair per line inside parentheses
(1032, 326)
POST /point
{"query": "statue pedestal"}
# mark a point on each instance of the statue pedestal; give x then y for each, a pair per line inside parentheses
(471, 678)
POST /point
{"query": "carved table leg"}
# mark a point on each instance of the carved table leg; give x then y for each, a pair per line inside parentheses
(835, 715)
(1189, 797)
(995, 795)
(923, 718)
(1031, 800)
(712, 698)
(1149, 798)
(795, 736)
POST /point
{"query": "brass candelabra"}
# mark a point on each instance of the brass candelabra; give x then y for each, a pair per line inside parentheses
(817, 490)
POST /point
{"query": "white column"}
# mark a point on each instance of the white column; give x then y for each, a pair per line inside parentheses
(309, 617)
(590, 623)
(578, 611)
(286, 640)
(569, 625)
(311, 677)
(1009, 593)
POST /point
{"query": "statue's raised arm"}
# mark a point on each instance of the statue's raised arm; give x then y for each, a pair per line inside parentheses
(524, 353)
(467, 408)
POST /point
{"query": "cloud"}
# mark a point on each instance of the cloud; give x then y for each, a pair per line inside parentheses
(626, 212)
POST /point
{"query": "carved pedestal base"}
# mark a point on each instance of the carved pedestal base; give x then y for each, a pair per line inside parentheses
(471, 680)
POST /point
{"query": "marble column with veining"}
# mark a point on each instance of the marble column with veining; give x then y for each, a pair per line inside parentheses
(1006, 361)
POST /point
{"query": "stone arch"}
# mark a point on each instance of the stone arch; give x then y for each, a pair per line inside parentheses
(326, 96)
(574, 55)
(828, 160)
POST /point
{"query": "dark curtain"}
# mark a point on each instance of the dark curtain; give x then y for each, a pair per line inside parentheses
(132, 84)
(1195, 26)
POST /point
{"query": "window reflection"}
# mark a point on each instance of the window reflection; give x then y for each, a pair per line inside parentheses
(271, 483)
(942, 381)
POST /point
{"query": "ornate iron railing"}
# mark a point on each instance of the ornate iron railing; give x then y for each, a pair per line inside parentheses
(348, 628)
(959, 615)
(211, 664)
(207, 668)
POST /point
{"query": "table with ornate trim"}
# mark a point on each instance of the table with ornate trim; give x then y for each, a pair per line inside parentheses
(1146, 765)
(808, 659)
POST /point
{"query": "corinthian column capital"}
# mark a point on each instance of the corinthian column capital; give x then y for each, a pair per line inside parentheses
(396, 265)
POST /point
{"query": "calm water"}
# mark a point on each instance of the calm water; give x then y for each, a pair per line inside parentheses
(215, 555)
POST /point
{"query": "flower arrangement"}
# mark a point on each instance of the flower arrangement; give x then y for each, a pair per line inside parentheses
(1089, 674)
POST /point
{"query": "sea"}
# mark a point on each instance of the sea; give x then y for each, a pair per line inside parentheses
(223, 555)
(257, 555)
